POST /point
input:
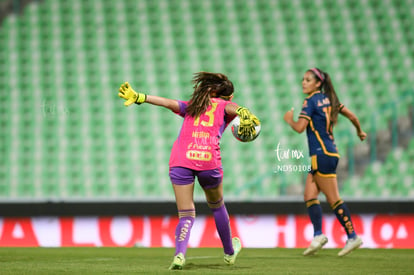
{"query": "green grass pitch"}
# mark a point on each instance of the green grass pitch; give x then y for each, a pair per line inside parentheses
(202, 261)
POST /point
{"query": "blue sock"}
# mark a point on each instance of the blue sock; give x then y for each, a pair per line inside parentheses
(344, 217)
(315, 214)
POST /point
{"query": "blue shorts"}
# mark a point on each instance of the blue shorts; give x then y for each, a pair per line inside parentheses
(324, 165)
(207, 178)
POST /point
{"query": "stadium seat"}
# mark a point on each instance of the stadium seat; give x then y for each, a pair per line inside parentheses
(69, 57)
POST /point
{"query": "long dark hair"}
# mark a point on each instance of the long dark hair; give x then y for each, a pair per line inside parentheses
(328, 89)
(207, 85)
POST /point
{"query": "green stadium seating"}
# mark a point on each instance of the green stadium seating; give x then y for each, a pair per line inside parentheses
(393, 178)
(66, 134)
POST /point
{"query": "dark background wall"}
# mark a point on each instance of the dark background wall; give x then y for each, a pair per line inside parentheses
(169, 208)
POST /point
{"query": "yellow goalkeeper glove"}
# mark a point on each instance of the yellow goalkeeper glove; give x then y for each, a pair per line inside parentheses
(248, 121)
(126, 92)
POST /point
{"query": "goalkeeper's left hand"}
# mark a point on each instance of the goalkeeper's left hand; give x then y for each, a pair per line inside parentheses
(248, 121)
(126, 92)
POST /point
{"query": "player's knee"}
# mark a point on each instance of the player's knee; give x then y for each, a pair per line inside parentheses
(215, 204)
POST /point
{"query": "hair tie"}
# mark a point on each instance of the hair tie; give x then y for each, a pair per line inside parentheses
(318, 73)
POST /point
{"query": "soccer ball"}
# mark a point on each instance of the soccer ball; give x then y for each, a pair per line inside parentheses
(235, 127)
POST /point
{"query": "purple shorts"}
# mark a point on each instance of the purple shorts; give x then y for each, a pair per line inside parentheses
(207, 178)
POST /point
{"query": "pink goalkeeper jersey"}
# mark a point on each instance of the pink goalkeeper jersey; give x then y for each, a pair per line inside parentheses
(198, 144)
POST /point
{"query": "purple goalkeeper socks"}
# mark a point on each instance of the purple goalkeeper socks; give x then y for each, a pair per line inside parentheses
(222, 220)
(182, 231)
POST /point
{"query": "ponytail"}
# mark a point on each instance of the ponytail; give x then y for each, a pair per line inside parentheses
(208, 85)
(328, 89)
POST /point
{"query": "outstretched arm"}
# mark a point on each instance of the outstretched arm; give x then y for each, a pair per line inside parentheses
(299, 126)
(168, 103)
(355, 121)
(126, 92)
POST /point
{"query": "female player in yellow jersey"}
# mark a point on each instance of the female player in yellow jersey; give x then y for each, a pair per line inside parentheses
(319, 113)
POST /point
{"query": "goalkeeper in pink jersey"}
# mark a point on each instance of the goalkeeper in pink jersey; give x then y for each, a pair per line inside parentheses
(196, 153)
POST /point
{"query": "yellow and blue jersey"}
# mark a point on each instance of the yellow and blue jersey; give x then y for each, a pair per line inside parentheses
(317, 109)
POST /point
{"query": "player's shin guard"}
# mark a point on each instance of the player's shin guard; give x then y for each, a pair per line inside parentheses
(344, 217)
(183, 229)
(221, 217)
(315, 214)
